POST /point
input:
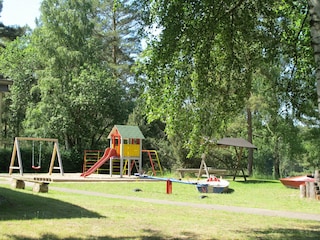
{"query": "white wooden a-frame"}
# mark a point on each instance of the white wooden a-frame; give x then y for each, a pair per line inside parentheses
(16, 153)
(203, 165)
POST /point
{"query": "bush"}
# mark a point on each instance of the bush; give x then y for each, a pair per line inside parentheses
(5, 157)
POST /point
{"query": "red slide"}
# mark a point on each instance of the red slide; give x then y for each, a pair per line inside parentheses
(108, 153)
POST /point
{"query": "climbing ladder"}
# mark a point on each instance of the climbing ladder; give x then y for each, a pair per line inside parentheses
(93, 156)
(132, 164)
(90, 157)
(154, 161)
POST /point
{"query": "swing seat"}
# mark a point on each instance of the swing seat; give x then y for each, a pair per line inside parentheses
(36, 167)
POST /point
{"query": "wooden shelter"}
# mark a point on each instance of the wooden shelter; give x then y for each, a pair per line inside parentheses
(238, 144)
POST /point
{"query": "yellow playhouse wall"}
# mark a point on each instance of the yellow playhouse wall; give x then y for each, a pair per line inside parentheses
(131, 150)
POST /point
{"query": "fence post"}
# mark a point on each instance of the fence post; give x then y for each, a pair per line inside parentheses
(169, 186)
(302, 190)
(317, 184)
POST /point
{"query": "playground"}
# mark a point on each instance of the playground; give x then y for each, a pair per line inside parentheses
(117, 162)
(121, 159)
(109, 201)
(109, 193)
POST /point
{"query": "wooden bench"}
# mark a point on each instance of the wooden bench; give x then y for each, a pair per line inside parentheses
(217, 172)
(41, 185)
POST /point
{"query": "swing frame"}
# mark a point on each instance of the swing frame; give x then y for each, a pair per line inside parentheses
(16, 153)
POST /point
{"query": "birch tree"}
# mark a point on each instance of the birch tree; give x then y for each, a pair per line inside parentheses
(314, 11)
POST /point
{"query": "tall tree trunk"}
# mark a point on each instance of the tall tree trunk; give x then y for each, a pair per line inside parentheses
(314, 11)
(276, 158)
(250, 150)
(249, 125)
(114, 28)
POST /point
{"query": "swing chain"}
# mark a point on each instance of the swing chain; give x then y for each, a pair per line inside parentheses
(39, 158)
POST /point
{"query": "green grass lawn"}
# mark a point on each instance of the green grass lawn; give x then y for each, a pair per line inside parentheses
(63, 215)
(265, 194)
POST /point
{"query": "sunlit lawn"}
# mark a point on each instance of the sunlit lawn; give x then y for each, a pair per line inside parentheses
(265, 194)
(63, 215)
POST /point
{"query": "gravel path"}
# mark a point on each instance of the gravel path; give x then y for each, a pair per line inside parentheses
(246, 210)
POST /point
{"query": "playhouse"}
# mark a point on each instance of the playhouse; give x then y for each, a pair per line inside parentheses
(123, 154)
(127, 142)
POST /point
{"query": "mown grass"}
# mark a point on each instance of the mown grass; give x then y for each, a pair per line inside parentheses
(266, 194)
(63, 215)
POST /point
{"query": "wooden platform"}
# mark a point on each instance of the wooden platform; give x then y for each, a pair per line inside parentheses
(41, 181)
(71, 177)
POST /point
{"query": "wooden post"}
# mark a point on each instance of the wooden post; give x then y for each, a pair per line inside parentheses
(312, 190)
(307, 189)
(56, 153)
(317, 184)
(302, 191)
(59, 158)
(16, 153)
(316, 176)
(53, 157)
(111, 167)
(169, 187)
(203, 165)
(13, 157)
(121, 155)
(40, 187)
(17, 183)
(238, 156)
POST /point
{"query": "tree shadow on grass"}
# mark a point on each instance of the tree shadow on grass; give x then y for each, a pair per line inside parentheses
(19, 205)
(257, 181)
(230, 190)
(308, 233)
(148, 234)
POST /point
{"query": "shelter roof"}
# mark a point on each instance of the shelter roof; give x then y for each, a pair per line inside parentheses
(236, 142)
(126, 131)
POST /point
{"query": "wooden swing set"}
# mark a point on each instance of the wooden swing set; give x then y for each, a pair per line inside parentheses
(16, 153)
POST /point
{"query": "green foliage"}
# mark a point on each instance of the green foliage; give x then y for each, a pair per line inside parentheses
(155, 137)
(207, 66)
(297, 61)
(196, 71)
(311, 157)
(5, 156)
(199, 74)
(17, 61)
(72, 73)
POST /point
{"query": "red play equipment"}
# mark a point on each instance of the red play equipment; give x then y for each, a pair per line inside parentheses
(108, 153)
(124, 152)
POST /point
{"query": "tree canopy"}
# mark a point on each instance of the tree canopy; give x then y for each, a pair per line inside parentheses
(73, 87)
(203, 60)
(209, 69)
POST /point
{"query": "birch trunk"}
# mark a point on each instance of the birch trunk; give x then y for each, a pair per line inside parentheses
(314, 11)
